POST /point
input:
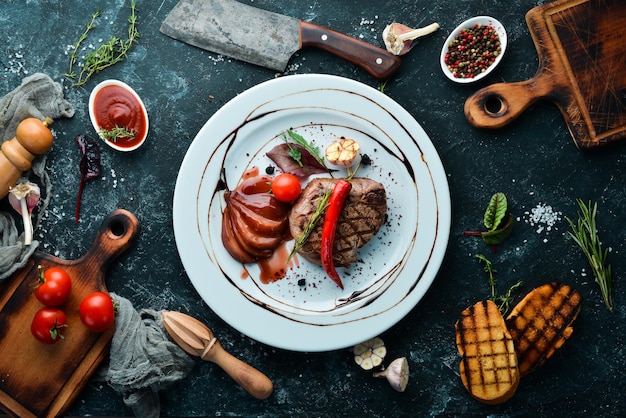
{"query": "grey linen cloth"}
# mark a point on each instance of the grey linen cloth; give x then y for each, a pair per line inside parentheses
(143, 360)
(38, 96)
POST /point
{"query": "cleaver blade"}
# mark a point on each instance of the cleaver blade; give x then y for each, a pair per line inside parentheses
(264, 38)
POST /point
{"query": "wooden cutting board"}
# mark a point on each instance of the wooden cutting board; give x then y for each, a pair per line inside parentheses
(582, 69)
(39, 380)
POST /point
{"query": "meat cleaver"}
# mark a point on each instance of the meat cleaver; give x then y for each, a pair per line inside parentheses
(265, 38)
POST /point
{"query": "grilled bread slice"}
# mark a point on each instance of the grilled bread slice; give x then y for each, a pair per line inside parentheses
(488, 361)
(541, 322)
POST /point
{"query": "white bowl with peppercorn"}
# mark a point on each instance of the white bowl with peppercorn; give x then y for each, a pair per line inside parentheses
(473, 50)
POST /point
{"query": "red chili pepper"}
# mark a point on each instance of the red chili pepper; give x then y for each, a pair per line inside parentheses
(335, 203)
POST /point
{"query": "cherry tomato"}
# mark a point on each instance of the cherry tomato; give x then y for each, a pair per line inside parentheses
(97, 311)
(286, 187)
(48, 325)
(54, 286)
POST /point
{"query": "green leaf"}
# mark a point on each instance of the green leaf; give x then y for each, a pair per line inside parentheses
(296, 155)
(496, 236)
(299, 139)
(496, 211)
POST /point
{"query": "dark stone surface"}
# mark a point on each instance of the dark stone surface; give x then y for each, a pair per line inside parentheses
(533, 161)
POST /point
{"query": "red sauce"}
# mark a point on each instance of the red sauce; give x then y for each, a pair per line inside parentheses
(256, 228)
(275, 267)
(116, 106)
(254, 171)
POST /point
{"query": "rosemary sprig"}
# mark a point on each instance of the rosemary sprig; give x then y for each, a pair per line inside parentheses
(116, 133)
(299, 139)
(585, 234)
(107, 54)
(310, 226)
(503, 301)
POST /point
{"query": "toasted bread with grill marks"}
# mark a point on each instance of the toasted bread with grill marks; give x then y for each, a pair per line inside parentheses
(488, 366)
(541, 322)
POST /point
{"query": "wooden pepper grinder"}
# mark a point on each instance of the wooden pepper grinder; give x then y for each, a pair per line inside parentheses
(32, 138)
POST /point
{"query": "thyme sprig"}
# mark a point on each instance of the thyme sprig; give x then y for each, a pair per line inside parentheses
(116, 133)
(76, 46)
(585, 233)
(107, 54)
(503, 301)
(310, 226)
(295, 152)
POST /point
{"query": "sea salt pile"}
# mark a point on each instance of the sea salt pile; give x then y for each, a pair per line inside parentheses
(368, 24)
(15, 64)
(543, 217)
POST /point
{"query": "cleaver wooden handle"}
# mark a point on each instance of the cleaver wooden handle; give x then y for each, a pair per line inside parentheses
(377, 61)
(499, 104)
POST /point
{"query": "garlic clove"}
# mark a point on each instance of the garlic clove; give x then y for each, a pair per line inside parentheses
(23, 197)
(397, 374)
(370, 354)
(399, 38)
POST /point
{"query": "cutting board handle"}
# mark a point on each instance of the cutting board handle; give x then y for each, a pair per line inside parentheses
(499, 104)
(117, 232)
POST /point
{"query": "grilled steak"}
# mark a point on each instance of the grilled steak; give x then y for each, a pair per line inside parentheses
(362, 215)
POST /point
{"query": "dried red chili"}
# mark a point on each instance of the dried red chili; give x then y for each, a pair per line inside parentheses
(89, 164)
(337, 198)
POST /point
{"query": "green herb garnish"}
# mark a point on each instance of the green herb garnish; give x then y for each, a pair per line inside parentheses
(299, 139)
(383, 86)
(107, 54)
(76, 45)
(585, 234)
(310, 226)
(496, 211)
(116, 133)
(497, 221)
(503, 301)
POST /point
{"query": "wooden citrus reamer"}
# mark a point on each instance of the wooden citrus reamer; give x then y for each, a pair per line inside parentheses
(197, 339)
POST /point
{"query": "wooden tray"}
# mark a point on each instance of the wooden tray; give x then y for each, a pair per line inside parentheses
(582, 61)
(39, 380)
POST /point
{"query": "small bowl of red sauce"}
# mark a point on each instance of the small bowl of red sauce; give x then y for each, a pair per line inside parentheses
(118, 115)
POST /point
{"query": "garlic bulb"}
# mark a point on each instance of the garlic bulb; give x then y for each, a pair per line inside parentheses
(399, 38)
(343, 153)
(23, 197)
(370, 353)
(397, 374)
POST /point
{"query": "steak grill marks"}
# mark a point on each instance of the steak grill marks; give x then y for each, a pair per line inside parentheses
(362, 215)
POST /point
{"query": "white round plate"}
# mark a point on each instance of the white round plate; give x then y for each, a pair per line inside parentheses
(305, 311)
